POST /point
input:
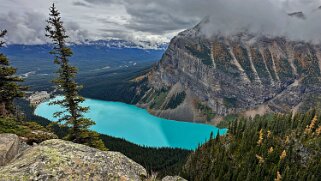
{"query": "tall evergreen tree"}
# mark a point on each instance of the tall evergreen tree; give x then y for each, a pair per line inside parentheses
(9, 89)
(72, 115)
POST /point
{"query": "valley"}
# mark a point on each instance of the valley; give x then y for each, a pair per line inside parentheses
(160, 90)
(97, 61)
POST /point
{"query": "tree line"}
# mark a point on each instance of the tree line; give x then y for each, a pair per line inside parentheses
(271, 147)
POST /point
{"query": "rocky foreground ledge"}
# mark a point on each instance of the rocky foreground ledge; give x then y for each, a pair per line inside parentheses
(62, 160)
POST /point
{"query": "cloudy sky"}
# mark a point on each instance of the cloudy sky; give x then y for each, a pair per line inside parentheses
(157, 20)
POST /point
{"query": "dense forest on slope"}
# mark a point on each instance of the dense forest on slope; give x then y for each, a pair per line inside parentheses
(271, 147)
(164, 161)
(117, 85)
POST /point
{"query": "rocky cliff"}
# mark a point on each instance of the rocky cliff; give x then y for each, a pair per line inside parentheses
(199, 77)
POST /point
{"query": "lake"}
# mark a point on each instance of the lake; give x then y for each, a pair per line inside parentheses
(137, 125)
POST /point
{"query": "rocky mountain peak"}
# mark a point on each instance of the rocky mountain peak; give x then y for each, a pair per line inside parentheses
(231, 74)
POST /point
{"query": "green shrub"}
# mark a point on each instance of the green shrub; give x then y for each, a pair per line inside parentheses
(32, 131)
(205, 110)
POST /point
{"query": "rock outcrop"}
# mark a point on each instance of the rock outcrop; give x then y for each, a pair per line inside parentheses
(242, 73)
(173, 178)
(10, 146)
(61, 160)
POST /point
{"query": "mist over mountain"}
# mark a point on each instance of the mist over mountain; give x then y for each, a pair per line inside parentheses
(295, 20)
(159, 21)
(200, 76)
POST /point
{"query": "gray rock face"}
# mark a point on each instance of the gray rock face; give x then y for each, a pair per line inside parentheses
(10, 146)
(242, 73)
(62, 160)
(173, 178)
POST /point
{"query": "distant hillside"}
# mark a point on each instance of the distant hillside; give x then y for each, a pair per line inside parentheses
(96, 61)
(87, 56)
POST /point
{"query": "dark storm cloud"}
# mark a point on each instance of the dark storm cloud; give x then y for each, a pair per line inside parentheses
(80, 3)
(160, 16)
(268, 17)
(105, 1)
(159, 20)
(166, 14)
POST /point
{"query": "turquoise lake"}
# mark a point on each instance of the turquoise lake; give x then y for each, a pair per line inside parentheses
(138, 126)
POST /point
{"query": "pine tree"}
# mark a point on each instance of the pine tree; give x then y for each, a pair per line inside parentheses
(278, 176)
(9, 89)
(72, 115)
(310, 127)
(260, 141)
(283, 155)
(318, 130)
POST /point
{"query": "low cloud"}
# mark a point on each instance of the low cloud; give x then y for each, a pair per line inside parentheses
(29, 28)
(80, 3)
(265, 17)
(26, 28)
(160, 20)
(268, 17)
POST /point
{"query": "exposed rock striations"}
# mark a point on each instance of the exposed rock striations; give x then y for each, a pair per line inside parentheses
(10, 146)
(224, 75)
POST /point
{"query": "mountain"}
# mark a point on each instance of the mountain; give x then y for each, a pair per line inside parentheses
(90, 54)
(199, 78)
(95, 60)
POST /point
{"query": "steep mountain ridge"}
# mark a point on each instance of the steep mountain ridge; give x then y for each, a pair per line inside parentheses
(231, 74)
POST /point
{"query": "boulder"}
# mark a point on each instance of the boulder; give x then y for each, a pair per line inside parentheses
(9, 147)
(62, 160)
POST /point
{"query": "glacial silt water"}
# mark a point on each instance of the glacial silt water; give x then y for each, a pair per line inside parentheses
(137, 125)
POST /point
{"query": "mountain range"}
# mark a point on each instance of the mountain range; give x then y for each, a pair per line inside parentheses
(114, 43)
(96, 60)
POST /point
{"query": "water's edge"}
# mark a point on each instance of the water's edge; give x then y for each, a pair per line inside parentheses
(138, 126)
